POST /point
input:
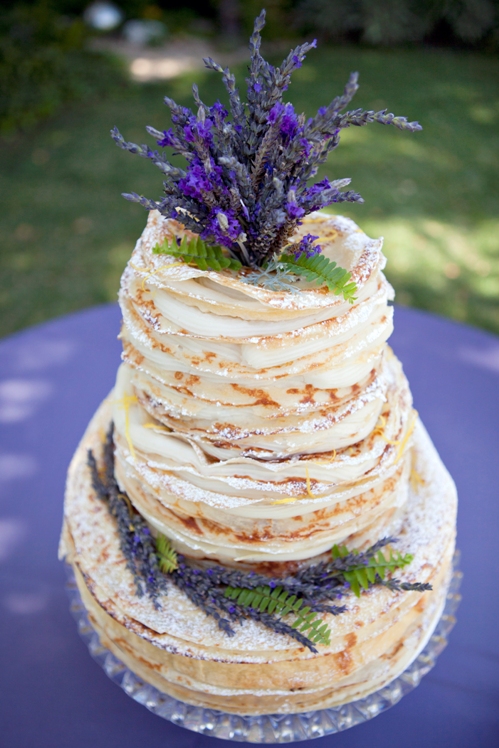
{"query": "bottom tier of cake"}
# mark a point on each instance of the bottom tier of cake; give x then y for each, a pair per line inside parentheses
(267, 728)
(181, 652)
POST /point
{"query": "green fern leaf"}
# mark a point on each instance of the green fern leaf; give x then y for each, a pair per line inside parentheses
(319, 269)
(196, 251)
(167, 557)
(362, 576)
(280, 602)
(339, 551)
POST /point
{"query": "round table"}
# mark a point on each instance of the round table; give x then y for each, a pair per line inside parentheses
(52, 377)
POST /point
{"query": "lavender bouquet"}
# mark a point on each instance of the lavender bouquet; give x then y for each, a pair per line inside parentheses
(248, 178)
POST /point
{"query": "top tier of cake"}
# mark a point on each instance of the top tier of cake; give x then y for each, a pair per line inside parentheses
(255, 425)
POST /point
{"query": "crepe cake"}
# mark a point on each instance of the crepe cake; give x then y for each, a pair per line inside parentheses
(255, 429)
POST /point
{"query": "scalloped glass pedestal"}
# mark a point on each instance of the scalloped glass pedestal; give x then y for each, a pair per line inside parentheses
(268, 728)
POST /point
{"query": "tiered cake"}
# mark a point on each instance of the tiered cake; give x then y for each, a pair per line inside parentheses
(256, 428)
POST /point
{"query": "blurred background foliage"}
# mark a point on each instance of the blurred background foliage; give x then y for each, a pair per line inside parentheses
(389, 22)
(65, 232)
(45, 63)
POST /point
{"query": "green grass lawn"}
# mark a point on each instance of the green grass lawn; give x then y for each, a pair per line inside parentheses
(66, 233)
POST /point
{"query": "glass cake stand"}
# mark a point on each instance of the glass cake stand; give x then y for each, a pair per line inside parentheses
(268, 728)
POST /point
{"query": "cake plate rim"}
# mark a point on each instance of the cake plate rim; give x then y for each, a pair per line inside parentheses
(268, 728)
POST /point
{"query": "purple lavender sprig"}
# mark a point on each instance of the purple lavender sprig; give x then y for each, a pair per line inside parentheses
(310, 583)
(137, 544)
(246, 185)
(198, 586)
(306, 247)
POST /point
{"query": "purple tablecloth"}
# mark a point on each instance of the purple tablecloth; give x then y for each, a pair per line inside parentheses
(53, 695)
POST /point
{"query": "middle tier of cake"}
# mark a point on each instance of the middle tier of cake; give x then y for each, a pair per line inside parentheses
(247, 510)
(255, 427)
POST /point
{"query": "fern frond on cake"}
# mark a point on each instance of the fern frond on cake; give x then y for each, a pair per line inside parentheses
(195, 251)
(167, 557)
(323, 271)
(372, 570)
(278, 601)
